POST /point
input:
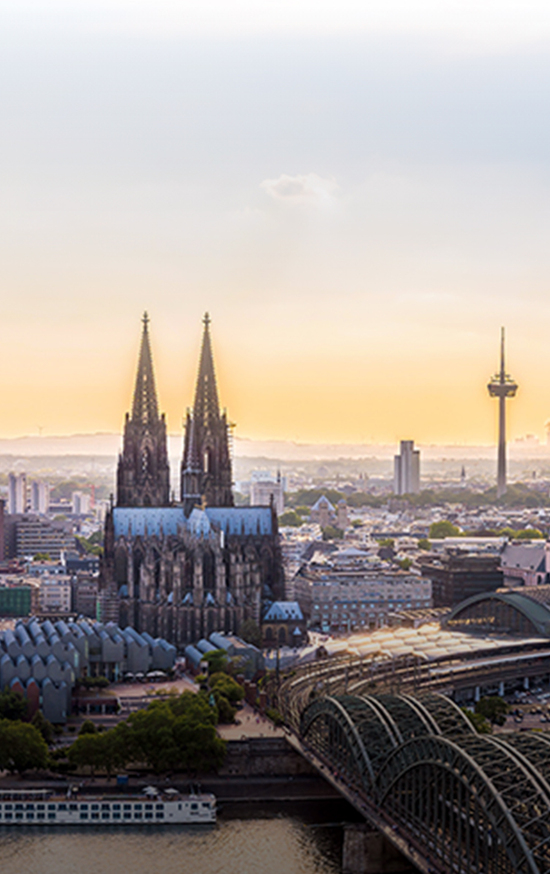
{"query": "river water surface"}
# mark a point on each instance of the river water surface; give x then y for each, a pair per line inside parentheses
(281, 844)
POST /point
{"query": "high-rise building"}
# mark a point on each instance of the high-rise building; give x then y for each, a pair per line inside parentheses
(40, 497)
(406, 469)
(80, 503)
(206, 464)
(17, 493)
(143, 474)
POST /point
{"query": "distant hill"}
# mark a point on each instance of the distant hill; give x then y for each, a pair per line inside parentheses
(105, 444)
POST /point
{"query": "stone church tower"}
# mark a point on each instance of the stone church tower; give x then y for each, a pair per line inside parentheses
(143, 474)
(206, 464)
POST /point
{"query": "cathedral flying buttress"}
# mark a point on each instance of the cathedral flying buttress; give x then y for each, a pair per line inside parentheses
(183, 570)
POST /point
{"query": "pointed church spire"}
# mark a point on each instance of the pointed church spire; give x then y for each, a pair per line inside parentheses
(206, 463)
(206, 408)
(143, 474)
(145, 406)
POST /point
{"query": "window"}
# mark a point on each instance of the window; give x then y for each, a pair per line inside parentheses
(73, 806)
(52, 814)
(83, 814)
(84, 807)
(128, 814)
(95, 815)
(194, 806)
(62, 807)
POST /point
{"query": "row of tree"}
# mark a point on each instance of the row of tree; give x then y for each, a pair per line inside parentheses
(175, 734)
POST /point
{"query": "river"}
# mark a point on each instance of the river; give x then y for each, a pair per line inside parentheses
(264, 844)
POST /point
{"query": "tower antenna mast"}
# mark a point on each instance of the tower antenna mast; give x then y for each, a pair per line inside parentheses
(502, 386)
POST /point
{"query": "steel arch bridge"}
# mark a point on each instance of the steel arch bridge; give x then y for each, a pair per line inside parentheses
(473, 804)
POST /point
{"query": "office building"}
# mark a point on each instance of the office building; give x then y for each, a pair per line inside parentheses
(406, 469)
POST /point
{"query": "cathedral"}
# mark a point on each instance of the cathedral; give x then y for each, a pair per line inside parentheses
(183, 569)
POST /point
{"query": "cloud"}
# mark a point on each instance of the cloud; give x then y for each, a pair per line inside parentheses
(309, 189)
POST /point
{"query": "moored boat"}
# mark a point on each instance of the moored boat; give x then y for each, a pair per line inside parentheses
(152, 807)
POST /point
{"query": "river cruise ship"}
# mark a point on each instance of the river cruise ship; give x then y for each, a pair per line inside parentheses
(153, 807)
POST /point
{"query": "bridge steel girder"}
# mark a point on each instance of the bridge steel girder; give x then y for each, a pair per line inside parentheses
(472, 803)
(328, 726)
(451, 720)
(534, 746)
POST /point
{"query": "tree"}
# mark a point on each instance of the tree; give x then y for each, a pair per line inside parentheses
(87, 727)
(424, 543)
(332, 533)
(494, 708)
(405, 564)
(44, 726)
(227, 686)
(226, 713)
(217, 660)
(251, 633)
(439, 530)
(290, 518)
(22, 747)
(478, 721)
(12, 705)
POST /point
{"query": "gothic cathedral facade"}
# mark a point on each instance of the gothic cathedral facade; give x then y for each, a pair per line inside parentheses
(183, 569)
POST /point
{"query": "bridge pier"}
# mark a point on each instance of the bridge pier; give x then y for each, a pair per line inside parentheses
(369, 852)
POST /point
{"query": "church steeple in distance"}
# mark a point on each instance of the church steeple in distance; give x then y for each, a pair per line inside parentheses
(206, 464)
(143, 474)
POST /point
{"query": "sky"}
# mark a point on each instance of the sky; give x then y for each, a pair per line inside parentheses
(358, 193)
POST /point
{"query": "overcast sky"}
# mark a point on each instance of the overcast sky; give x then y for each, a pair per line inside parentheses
(357, 192)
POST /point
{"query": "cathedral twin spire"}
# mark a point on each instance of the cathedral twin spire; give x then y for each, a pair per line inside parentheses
(143, 476)
(145, 406)
(206, 463)
(143, 473)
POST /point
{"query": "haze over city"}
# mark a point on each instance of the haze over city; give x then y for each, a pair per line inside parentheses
(359, 196)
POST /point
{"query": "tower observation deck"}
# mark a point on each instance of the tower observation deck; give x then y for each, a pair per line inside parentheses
(502, 386)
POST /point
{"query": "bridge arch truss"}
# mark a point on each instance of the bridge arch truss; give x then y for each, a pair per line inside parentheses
(475, 804)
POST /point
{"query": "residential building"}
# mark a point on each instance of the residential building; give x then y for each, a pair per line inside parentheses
(40, 497)
(17, 493)
(55, 594)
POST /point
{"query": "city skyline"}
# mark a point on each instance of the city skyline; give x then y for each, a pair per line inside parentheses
(358, 196)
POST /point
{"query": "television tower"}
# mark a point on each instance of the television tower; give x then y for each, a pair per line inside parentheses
(502, 386)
